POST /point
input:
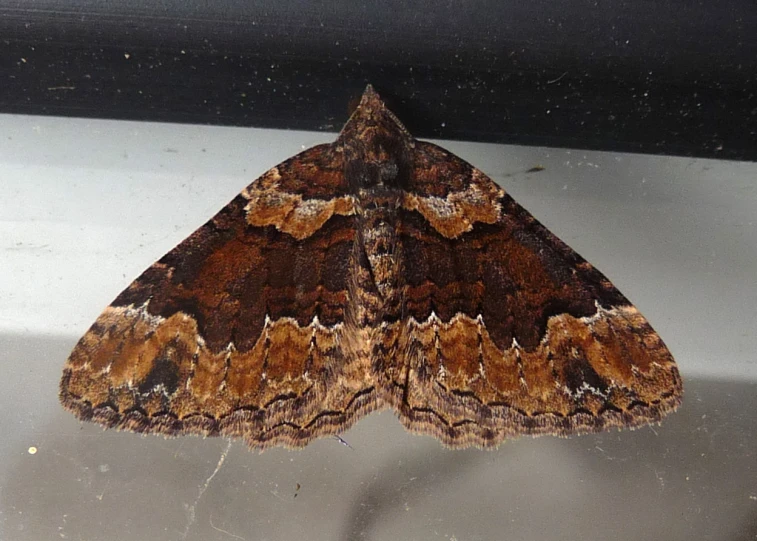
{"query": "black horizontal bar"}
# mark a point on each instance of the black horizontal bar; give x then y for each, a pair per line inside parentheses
(668, 77)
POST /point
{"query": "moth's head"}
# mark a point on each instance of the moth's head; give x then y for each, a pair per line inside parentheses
(376, 146)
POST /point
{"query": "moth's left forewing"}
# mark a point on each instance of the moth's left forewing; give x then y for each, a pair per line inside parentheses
(237, 331)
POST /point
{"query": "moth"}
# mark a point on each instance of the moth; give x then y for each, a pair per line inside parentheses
(377, 271)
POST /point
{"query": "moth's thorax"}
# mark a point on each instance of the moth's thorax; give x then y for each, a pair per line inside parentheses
(375, 166)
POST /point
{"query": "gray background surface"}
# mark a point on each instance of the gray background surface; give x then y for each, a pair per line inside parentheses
(86, 205)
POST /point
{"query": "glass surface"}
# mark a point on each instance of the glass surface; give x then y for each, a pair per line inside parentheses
(86, 205)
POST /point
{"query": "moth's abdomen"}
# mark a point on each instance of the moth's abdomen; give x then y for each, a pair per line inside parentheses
(380, 244)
